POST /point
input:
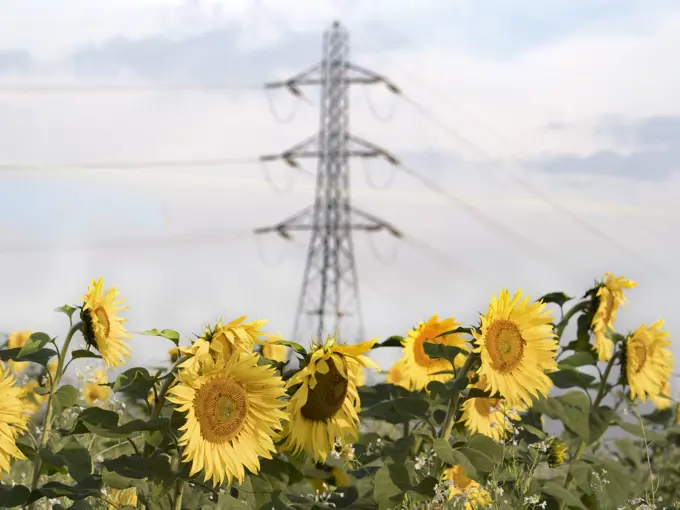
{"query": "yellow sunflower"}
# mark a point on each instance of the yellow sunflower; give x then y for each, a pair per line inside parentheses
(395, 375)
(233, 410)
(324, 407)
(103, 328)
(418, 367)
(17, 340)
(224, 340)
(275, 352)
(517, 346)
(557, 452)
(13, 418)
(649, 363)
(95, 394)
(124, 497)
(489, 416)
(610, 296)
(460, 485)
(663, 399)
(32, 401)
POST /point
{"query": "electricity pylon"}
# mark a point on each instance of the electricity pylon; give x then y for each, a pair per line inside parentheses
(330, 286)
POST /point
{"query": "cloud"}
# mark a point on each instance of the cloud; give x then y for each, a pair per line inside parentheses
(15, 61)
(654, 153)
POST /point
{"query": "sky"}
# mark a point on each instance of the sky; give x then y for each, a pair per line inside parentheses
(557, 123)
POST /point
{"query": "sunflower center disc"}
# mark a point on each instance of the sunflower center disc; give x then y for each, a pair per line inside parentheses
(221, 407)
(103, 319)
(328, 395)
(484, 405)
(505, 345)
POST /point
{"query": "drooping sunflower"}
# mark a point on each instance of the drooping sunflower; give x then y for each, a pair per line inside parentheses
(324, 407)
(419, 369)
(103, 328)
(609, 297)
(489, 416)
(124, 497)
(663, 399)
(649, 362)
(224, 340)
(17, 340)
(94, 393)
(13, 418)
(460, 485)
(517, 347)
(557, 452)
(395, 375)
(233, 410)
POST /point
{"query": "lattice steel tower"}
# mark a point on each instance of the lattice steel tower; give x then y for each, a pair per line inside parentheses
(330, 286)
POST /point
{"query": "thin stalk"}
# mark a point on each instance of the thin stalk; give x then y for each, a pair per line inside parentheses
(455, 398)
(603, 379)
(47, 424)
(179, 491)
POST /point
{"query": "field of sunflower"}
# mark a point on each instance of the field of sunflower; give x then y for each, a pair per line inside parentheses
(542, 404)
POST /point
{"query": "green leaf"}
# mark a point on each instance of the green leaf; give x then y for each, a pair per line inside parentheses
(535, 431)
(637, 430)
(561, 494)
(156, 468)
(456, 331)
(578, 359)
(120, 482)
(105, 423)
(481, 461)
(136, 381)
(293, 345)
(438, 389)
(393, 341)
(64, 398)
(11, 497)
(34, 343)
(480, 393)
(628, 450)
(170, 334)
(39, 390)
(84, 353)
(442, 351)
(569, 378)
(572, 408)
(453, 457)
(41, 357)
(67, 309)
(599, 421)
(487, 446)
(559, 298)
(79, 491)
(73, 456)
(399, 409)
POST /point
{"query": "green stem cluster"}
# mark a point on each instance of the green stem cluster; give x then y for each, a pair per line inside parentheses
(47, 423)
(455, 398)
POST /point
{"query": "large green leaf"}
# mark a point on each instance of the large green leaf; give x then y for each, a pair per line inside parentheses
(599, 421)
(11, 497)
(72, 456)
(561, 494)
(442, 351)
(170, 334)
(34, 343)
(84, 353)
(64, 398)
(393, 341)
(82, 490)
(480, 460)
(41, 357)
(398, 410)
(572, 409)
(570, 378)
(558, 298)
(578, 359)
(105, 423)
(640, 431)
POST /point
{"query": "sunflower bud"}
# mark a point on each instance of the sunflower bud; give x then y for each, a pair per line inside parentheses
(557, 452)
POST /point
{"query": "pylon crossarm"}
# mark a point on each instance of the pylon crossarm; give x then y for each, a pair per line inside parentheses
(290, 83)
(376, 221)
(372, 77)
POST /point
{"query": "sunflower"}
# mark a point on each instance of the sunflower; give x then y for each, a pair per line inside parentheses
(489, 416)
(13, 418)
(557, 452)
(419, 368)
(609, 297)
(324, 406)
(95, 394)
(103, 328)
(124, 497)
(224, 340)
(517, 346)
(649, 363)
(275, 352)
(233, 410)
(460, 485)
(395, 375)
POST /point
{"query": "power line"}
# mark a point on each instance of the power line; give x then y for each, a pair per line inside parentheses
(126, 165)
(119, 89)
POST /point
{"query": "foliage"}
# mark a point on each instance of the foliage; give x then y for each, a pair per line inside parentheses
(584, 445)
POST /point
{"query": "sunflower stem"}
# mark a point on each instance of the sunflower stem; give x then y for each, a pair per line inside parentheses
(158, 406)
(455, 398)
(47, 424)
(603, 380)
(179, 491)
